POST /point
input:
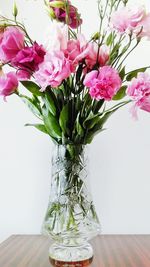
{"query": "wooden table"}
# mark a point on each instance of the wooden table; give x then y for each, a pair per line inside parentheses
(110, 251)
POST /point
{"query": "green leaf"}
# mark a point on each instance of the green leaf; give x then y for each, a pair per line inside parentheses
(121, 93)
(32, 87)
(102, 120)
(91, 134)
(35, 109)
(40, 127)
(59, 96)
(78, 126)
(122, 73)
(51, 124)
(97, 105)
(91, 120)
(64, 119)
(114, 52)
(110, 39)
(50, 102)
(134, 73)
(79, 73)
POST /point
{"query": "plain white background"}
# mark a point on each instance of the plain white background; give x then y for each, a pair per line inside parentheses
(120, 157)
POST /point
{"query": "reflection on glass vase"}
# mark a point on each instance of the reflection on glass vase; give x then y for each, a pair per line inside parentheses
(71, 219)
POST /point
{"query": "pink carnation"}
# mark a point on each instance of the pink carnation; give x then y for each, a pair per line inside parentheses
(28, 59)
(8, 84)
(53, 70)
(131, 20)
(11, 42)
(139, 91)
(74, 18)
(104, 83)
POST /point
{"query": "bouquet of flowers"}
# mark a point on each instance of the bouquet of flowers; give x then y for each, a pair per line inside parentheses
(71, 82)
(73, 85)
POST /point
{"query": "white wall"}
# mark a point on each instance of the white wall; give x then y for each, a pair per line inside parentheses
(120, 156)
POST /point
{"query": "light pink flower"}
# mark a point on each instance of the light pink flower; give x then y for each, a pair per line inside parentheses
(77, 50)
(139, 91)
(145, 26)
(104, 83)
(74, 18)
(129, 20)
(12, 41)
(57, 37)
(8, 84)
(54, 69)
(80, 50)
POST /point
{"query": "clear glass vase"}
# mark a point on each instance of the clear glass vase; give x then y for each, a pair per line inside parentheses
(71, 219)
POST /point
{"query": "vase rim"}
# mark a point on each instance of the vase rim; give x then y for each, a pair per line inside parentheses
(71, 144)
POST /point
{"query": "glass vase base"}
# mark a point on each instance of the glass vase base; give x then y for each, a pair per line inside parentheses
(65, 256)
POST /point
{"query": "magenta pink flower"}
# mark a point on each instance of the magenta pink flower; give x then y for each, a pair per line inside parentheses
(8, 84)
(104, 83)
(74, 19)
(54, 69)
(11, 42)
(23, 75)
(139, 91)
(132, 20)
(28, 59)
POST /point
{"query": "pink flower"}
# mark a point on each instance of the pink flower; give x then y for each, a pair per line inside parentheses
(74, 18)
(54, 69)
(23, 75)
(104, 83)
(131, 20)
(139, 91)
(29, 58)
(8, 84)
(11, 42)
(145, 26)
(80, 50)
(57, 37)
(77, 50)
(97, 56)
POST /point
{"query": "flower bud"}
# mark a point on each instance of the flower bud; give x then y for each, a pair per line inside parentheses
(15, 10)
(51, 13)
(96, 36)
(57, 4)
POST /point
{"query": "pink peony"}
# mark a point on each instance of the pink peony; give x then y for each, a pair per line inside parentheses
(131, 20)
(104, 83)
(11, 42)
(74, 19)
(139, 91)
(8, 84)
(54, 69)
(28, 59)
